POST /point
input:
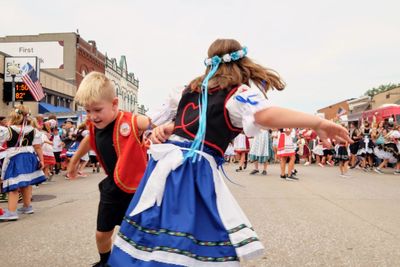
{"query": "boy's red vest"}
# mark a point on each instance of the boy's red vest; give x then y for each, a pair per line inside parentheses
(131, 152)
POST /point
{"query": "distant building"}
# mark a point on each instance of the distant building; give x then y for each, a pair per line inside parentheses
(335, 110)
(125, 83)
(65, 58)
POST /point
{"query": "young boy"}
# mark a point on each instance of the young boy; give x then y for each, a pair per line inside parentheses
(115, 137)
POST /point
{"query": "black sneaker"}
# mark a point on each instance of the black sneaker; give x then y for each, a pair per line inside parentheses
(239, 169)
(264, 173)
(100, 264)
(283, 176)
(94, 170)
(292, 177)
(254, 172)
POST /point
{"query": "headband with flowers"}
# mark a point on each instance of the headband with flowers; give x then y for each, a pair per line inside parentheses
(227, 57)
(213, 63)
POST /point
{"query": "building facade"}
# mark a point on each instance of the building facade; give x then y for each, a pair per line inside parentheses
(126, 85)
(389, 97)
(65, 58)
(333, 111)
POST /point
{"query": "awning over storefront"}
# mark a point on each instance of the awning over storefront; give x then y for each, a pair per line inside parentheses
(48, 108)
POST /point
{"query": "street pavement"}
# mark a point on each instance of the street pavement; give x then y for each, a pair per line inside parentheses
(321, 220)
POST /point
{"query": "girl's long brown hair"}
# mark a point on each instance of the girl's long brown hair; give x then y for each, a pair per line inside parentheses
(237, 72)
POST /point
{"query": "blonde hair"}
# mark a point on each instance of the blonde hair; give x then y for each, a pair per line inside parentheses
(237, 72)
(35, 123)
(18, 114)
(94, 88)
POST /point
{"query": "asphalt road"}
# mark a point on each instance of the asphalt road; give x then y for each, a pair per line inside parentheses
(321, 220)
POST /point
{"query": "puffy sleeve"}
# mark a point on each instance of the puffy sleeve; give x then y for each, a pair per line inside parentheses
(242, 106)
(37, 139)
(85, 133)
(167, 112)
(4, 134)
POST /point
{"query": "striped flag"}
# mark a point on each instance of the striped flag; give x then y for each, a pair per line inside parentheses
(30, 79)
(341, 111)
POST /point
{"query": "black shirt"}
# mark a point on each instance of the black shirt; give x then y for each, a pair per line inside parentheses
(109, 191)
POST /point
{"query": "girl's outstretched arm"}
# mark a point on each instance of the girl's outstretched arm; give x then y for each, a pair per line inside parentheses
(277, 117)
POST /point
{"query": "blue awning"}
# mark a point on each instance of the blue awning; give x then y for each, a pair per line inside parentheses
(44, 108)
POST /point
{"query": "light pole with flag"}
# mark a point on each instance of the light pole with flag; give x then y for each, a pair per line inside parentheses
(13, 70)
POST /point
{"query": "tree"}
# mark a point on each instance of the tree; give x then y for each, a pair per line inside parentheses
(382, 88)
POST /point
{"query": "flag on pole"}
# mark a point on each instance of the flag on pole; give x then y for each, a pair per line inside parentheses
(30, 79)
(341, 111)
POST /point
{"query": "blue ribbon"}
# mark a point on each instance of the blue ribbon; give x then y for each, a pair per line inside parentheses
(198, 142)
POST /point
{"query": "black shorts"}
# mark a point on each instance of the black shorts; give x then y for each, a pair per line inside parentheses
(57, 156)
(93, 159)
(328, 152)
(111, 214)
(354, 148)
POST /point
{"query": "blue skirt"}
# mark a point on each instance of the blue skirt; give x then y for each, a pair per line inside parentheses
(187, 228)
(21, 170)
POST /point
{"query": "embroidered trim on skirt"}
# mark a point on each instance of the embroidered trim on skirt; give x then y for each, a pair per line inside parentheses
(21, 169)
(183, 214)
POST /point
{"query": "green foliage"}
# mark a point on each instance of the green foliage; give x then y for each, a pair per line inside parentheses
(382, 88)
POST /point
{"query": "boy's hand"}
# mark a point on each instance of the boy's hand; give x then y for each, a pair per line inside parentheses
(161, 133)
(327, 129)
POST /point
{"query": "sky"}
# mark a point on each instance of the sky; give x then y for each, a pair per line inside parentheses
(326, 51)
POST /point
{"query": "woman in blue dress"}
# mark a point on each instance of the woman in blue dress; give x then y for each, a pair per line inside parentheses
(183, 214)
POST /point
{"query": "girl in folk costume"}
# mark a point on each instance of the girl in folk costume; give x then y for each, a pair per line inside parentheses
(366, 147)
(275, 138)
(310, 137)
(260, 151)
(230, 153)
(342, 156)
(303, 149)
(183, 214)
(21, 167)
(286, 151)
(388, 152)
(241, 147)
(80, 134)
(329, 152)
(48, 154)
(355, 135)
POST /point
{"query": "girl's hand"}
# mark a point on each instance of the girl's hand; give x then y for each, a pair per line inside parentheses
(161, 133)
(327, 129)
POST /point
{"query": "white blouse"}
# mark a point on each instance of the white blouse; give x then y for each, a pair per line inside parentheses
(242, 106)
(6, 136)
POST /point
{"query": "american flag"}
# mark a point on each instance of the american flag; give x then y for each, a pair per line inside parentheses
(341, 111)
(30, 79)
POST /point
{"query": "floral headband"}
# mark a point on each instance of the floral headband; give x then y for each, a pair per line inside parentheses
(213, 63)
(21, 112)
(227, 57)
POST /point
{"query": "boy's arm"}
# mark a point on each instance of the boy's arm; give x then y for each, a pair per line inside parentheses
(143, 123)
(277, 117)
(83, 149)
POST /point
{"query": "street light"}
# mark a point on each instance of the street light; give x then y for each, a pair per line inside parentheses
(13, 70)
